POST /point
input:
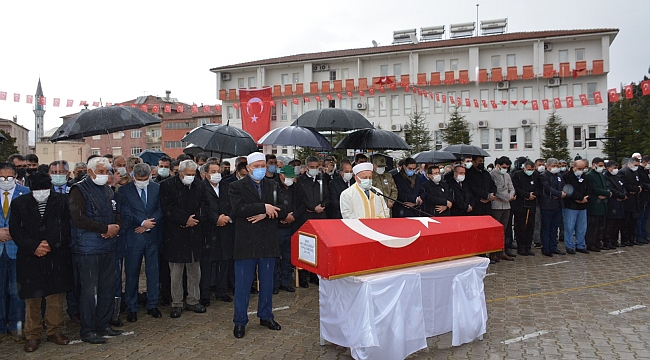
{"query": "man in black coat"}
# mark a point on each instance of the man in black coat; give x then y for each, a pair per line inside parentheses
(644, 202)
(615, 208)
(460, 194)
(338, 185)
(437, 196)
(409, 190)
(629, 175)
(257, 206)
(527, 190)
(481, 186)
(40, 227)
(287, 227)
(182, 200)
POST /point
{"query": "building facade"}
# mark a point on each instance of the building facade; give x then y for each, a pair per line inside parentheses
(497, 70)
(72, 151)
(18, 131)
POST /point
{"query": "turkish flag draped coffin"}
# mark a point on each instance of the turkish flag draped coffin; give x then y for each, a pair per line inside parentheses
(338, 248)
(256, 111)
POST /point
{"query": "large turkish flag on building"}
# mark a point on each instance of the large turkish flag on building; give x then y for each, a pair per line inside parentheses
(256, 111)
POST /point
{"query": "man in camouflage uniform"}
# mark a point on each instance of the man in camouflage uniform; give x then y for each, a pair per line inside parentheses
(383, 180)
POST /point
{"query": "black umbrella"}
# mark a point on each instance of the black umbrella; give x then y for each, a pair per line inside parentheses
(296, 136)
(466, 150)
(192, 149)
(333, 119)
(372, 139)
(435, 157)
(222, 139)
(151, 157)
(103, 120)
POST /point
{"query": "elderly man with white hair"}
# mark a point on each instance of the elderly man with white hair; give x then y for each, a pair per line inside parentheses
(361, 201)
(95, 226)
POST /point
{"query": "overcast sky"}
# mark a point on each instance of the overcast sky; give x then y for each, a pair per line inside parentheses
(118, 50)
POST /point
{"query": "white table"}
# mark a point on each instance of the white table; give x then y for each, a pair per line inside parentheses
(389, 315)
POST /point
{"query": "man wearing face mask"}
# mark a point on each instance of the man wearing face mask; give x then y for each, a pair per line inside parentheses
(44, 260)
(21, 169)
(615, 209)
(597, 205)
(79, 172)
(59, 174)
(644, 201)
(32, 163)
(183, 202)
(575, 208)
(240, 170)
(629, 175)
(504, 195)
(526, 190)
(460, 195)
(540, 166)
(271, 167)
(361, 201)
(409, 190)
(481, 186)
(551, 204)
(338, 185)
(383, 180)
(164, 169)
(437, 196)
(329, 166)
(95, 225)
(225, 169)
(120, 171)
(143, 239)
(286, 228)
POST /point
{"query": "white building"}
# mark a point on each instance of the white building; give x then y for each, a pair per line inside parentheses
(503, 67)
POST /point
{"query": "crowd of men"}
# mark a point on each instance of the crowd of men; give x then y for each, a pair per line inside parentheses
(205, 231)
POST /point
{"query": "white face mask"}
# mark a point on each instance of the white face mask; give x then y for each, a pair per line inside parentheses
(313, 172)
(347, 177)
(468, 165)
(541, 168)
(613, 172)
(288, 181)
(381, 170)
(599, 169)
(578, 172)
(436, 178)
(141, 184)
(555, 170)
(634, 168)
(7, 185)
(100, 180)
(365, 184)
(647, 167)
(188, 179)
(59, 180)
(121, 170)
(460, 178)
(215, 178)
(41, 195)
(503, 171)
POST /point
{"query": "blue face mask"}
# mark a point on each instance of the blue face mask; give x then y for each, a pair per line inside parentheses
(272, 169)
(410, 172)
(258, 174)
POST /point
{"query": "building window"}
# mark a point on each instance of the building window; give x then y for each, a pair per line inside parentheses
(296, 78)
(240, 83)
(592, 135)
(319, 105)
(580, 54)
(563, 92)
(44, 151)
(355, 103)
(577, 90)
(485, 98)
(407, 104)
(156, 133)
(548, 93)
(94, 151)
(485, 139)
(284, 79)
(496, 61)
(438, 139)
(343, 103)
(383, 70)
(498, 139)
(175, 144)
(511, 60)
(498, 96)
(563, 55)
(305, 106)
(591, 89)
(453, 64)
(397, 70)
(528, 137)
(155, 147)
(371, 106)
(528, 96)
(202, 121)
(229, 110)
(382, 106)
(464, 95)
(425, 104)
(450, 106)
(440, 66)
(180, 125)
(513, 139)
(135, 134)
(394, 105)
(332, 75)
(97, 137)
(274, 116)
(136, 150)
(512, 95)
(116, 150)
(118, 135)
(284, 150)
(294, 111)
(251, 82)
(577, 136)
(284, 112)
(437, 105)
(345, 74)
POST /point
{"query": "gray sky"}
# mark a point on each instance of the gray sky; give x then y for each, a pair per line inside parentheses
(118, 50)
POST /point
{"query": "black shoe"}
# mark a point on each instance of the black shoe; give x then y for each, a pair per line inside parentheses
(512, 247)
(546, 253)
(164, 301)
(132, 316)
(271, 324)
(530, 252)
(204, 302)
(538, 245)
(154, 313)
(276, 291)
(508, 253)
(314, 280)
(288, 288)
(176, 312)
(117, 323)
(559, 252)
(612, 246)
(110, 332)
(93, 338)
(594, 249)
(224, 298)
(304, 284)
(198, 308)
(522, 253)
(584, 251)
(239, 331)
(571, 251)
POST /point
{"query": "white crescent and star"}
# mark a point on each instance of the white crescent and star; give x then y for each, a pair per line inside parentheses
(250, 103)
(387, 240)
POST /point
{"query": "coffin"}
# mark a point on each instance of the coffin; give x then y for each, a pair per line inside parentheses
(338, 248)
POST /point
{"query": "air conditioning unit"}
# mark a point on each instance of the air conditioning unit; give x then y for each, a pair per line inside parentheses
(396, 127)
(503, 85)
(315, 67)
(525, 122)
(548, 47)
(554, 82)
(324, 67)
(483, 124)
(442, 126)
(361, 106)
(225, 76)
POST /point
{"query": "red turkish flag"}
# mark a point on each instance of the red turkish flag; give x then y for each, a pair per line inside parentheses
(134, 106)
(629, 92)
(476, 103)
(494, 104)
(16, 97)
(583, 100)
(437, 96)
(484, 102)
(349, 93)
(272, 103)
(392, 87)
(415, 90)
(306, 99)
(383, 89)
(535, 105)
(109, 104)
(155, 108)
(406, 89)
(361, 93)
(295, 101)
(513, 102)
(217, 108)
(458, 101)
(384, 80)
(468, 102)
(371, 91)
(328, 96)
(69, 103)
(167, 108)
(545, 104)
(236, 106)
(57, 102)
(3, 95)
(42, 100)
(29, 99)
(420, 92)
(96, 103)
(613, 95)
(82, 103)
(523, 101)
(206, 108)
(569, 101)
(598, 99)
(503, 102)
(431, 95)
(180, 108)
(645, 87)
(317, 97)
(256, 120)
(444, 98)
(452, 100)
(284, 102)
(557, 103)
(339, 95)
(195, 109)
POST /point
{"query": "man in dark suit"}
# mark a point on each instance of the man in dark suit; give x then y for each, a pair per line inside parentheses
(257, 205)
(143, 239)
(526, 186)
(295, 214)
(437, 196)
(409, 190)
(629, 175)
(597, 205)
(460, 194)
(615, 210)
(481, 186)
(338, 185)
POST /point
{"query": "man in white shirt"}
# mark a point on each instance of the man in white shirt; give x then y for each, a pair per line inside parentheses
(361, 200)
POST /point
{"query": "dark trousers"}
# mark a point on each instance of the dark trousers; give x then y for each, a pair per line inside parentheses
(207, 277)
(524, 228)
(165, 278)
(642, 222)
(72, 296)
(508, 230)
(612, 228)
(97, 278)
(119, 264)
(551, 220)
(595, 231)
(244, 274)
(221, 279)
(12, 307)
(132, 267)
(628, 227)
(282, 276)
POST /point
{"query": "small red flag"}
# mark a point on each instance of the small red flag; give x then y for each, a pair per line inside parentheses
(317, 97)
(134, 106)
(349, 93)
(452, 100)
(96, 103)
(16, 97)
(569, 101)
(371, 91)
(361, 93)
(384, 80)
(339, 95)
(29, 99)
(382, 89)
(468, 102)
(513, 102)
(484, 102)
(180, 108)
(155, 108)
(557, 103)
(476, 103)
(168, 108)
(42, 100)
(392, 87)
(82, 103)
(415, 90)
(504, 102)
(420, 92)
(295, 101)
(272, 103)
(195, 109)
(613, 95)
(629, 93)
(406, 88)
(494, 104)
(444, 98)
(328, 96)
(545, 104)
(598, 99)
(306, 99)
(236, 106)
(535, 105)
(437, 96)
(69, 103)
(206, 108)
(458, 100)
(523, 101)
(645, 87)
(583, 100)
(284, 102)
(3, 95)
(107, 104)
(57, 102)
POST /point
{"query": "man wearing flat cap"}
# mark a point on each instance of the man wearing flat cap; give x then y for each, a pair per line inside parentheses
(361, 201)
(383, 180)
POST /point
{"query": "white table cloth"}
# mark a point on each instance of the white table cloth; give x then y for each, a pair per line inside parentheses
(389, 315)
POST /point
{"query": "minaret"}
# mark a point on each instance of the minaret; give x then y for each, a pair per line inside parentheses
(39, 112)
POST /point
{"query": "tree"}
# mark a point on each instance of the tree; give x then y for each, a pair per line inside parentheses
(628, 123)
(555, 143)
(7, 147)
(302, 152)
(457, 131)
(417, 133)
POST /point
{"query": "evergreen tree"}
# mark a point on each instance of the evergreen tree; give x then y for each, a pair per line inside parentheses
(555, 143)
(457, 131)
(628, 123)
(7, 147)
(417, 133)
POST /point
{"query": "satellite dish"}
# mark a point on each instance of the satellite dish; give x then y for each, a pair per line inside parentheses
(374, 43)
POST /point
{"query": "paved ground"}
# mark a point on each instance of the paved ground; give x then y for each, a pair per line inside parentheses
(563, 307)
